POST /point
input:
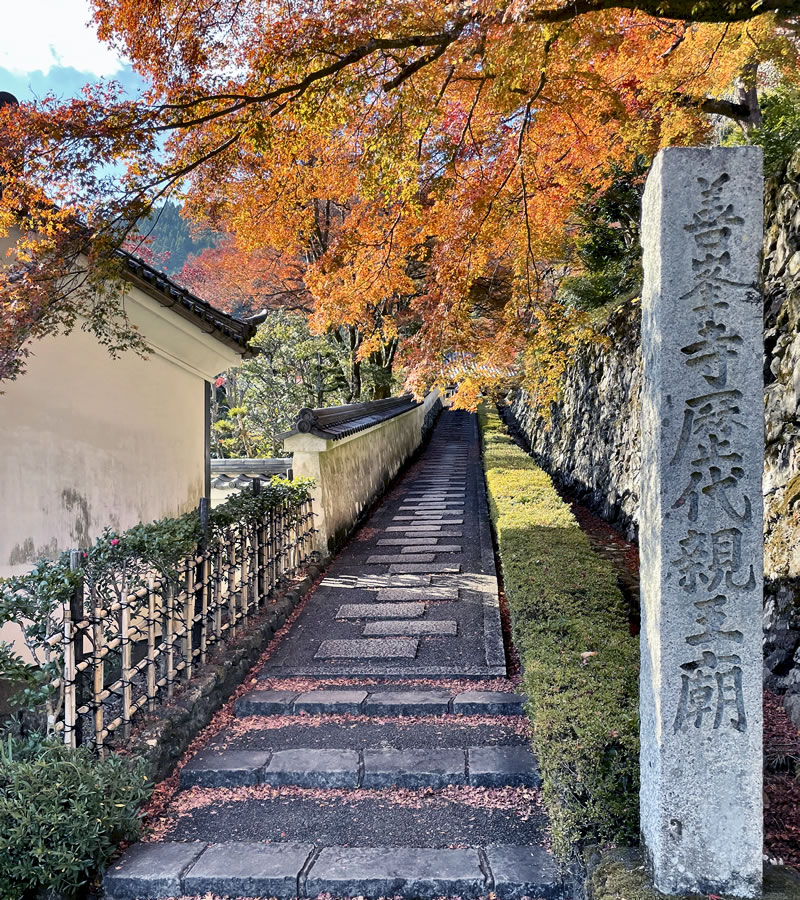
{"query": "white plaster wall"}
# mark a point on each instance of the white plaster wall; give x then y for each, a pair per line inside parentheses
(88, 441)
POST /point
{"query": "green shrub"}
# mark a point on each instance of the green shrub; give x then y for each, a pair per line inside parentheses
(565, 604)
(62, 814)
(779, 132)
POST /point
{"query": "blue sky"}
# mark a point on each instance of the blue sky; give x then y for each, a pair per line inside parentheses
(47, 45)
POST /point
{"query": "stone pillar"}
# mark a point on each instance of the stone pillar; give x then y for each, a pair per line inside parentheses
(700, 531)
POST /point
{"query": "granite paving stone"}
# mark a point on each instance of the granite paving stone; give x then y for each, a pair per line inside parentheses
(330, 702)
(493, 703)
(313, 768)
(210, 768)
(392, 558)
(442, 548)
(427, 531)
(393, 595)
(499, 766)
(380, 611)
(368, 648)
(150, 871)
(265, 703)
(248, 869)
(388, 767)
(373, 582)
(388, 871)
(407, 703)
(416, 542)
(411, 626)
(433, 568)
(524, 872)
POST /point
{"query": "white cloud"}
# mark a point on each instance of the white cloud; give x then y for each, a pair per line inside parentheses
(38, 34)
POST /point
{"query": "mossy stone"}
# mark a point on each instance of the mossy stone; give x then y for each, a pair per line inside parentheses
(621, 875)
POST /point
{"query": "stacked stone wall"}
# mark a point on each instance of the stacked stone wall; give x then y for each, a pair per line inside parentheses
(591, 442)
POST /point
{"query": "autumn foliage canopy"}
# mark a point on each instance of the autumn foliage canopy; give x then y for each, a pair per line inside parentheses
(408, 170)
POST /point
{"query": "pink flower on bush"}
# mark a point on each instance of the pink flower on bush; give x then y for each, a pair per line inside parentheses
(114, 542)
(220, 381)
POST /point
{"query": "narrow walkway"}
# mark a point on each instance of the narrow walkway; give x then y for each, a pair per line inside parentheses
(382, 751)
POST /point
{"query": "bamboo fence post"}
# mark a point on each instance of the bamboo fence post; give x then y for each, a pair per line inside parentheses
(217, 590)
(151, 645)
(258, 585)
(271, 550)
(244, 594)
(202, 575)
(125, 646)
(188, 611)
(170, 639)
(231, 574)
(71, 736)
(98, 666)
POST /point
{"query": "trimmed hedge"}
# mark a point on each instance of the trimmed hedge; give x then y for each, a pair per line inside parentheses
(565, 604)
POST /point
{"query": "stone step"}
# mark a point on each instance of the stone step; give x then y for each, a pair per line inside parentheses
(294, 869)
(415, 627)
(368, 648)
(387, 767)
(379, 703)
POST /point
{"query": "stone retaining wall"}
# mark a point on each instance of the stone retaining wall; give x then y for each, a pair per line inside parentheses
(591, 444)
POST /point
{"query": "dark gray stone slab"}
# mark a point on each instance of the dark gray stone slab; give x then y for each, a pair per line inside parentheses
(489, 703)
(411, 626)
(524, 872)
(313, 768)
(444, 548)
(433, 568)
(442, 518)
(373, 582)
(248, 869)
(393, 595)
(413, 768)
(368, 648)
(410, 529)
(381, 611)
(265, 703)
(407, 703)
(503, 767)
(396, 557)
(224, 768)
(330, 702)
(392, 871)
(407, 542)
(150, 871)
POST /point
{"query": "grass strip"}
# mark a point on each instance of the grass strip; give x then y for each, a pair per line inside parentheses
(581, 666)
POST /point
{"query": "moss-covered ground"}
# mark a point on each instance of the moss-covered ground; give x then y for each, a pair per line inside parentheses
(570, 625)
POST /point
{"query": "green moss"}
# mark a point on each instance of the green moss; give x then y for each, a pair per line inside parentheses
(621, 875)
(791, 494)
(581, 666)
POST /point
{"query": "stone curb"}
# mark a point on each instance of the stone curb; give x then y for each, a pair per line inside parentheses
(380, 703)
(162, 742)
(387, 767)
(247, 869)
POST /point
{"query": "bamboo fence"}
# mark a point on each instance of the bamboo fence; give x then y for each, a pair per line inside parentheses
(125, 652)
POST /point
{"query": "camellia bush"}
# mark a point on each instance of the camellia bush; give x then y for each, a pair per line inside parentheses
(62, 814)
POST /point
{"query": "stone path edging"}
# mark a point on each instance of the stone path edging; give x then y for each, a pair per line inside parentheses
(294, 869)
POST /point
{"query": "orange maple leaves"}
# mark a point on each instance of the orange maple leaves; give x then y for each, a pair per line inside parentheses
(405, 170)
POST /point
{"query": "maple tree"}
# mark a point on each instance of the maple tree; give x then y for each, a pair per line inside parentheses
(414, 163)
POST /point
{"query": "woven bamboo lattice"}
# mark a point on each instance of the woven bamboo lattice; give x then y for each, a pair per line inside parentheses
(126, 650)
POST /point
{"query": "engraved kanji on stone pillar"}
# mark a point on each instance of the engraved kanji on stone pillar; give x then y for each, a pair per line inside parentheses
(700, 529)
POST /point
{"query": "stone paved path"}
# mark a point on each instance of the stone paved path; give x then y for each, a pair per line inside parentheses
(382, 751)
